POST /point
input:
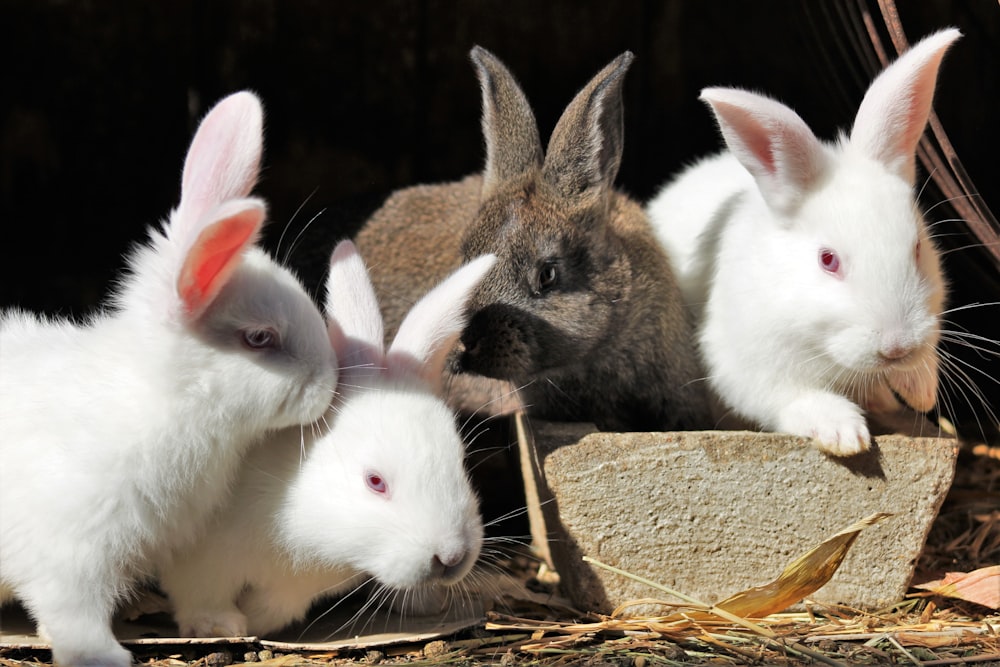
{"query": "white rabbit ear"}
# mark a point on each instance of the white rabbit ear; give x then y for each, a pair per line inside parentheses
(217, 251)
(223, 161)
(509, 128)
(356, 329)
(432, 326)
(894, 111)
(771, 141)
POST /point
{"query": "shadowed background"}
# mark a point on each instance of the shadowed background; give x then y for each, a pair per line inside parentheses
(100, 98)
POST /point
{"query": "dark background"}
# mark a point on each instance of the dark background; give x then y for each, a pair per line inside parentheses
(99, 101)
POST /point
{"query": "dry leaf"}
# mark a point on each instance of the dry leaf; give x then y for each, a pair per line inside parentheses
(804, 576)
(980, 586)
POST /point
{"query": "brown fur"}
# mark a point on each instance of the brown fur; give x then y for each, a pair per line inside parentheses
(581, 313)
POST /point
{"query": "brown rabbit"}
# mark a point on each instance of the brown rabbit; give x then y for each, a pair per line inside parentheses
(581, 314)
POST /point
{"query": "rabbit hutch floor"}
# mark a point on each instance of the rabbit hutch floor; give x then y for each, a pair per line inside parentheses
(523, 621)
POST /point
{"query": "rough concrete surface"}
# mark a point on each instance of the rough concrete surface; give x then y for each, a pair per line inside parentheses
(709, 514)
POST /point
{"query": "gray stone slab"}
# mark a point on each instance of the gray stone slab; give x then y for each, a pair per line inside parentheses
(710, 514)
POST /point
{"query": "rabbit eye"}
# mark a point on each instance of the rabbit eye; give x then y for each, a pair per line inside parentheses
(376, 483)
(548, 275)
(830, 262)
(259, 339)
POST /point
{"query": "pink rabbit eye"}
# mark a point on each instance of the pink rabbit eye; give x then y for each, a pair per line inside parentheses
(829, 261)
(376, 482)
(259, 339)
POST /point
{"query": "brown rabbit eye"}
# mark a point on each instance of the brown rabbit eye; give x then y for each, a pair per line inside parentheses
(547, 276)
(259, 339)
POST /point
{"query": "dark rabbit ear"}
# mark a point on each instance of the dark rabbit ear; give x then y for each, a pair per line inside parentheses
(585, 150)
(509, 127)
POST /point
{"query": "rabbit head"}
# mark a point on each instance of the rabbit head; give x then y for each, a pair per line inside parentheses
(862, 277)
(242, 320)
(549, 301)
(385, 489)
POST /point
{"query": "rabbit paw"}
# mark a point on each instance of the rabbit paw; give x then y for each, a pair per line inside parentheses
(223, 623)
(115, 656)
(836, 425)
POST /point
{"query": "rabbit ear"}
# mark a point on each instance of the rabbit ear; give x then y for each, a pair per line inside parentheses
(509, 127)
(894, 111)
(217, 251)
(771, 141)
(430, 329)
(585, 149)
(356, 328)
(223, 161)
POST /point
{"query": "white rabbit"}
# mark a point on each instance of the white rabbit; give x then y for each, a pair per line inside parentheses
(809, 269)
(120, 435)
(381, 493)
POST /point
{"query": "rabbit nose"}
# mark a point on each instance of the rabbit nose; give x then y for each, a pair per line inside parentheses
(895, 351)
(448, 565)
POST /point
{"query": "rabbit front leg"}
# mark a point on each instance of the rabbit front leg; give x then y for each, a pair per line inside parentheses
(226, 621)
(76, 621)
(836, 424)
(203, 586)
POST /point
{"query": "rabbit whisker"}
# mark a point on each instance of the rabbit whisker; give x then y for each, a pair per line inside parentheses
(965, 248)
(957, 384)
(969, 306)
(277, 248)
(298, 237)
(352, 622)
(298, 210)
(341, 598)
(496, 452)
(513, 514)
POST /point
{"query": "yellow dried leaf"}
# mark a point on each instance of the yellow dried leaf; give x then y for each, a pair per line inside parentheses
(804, 576)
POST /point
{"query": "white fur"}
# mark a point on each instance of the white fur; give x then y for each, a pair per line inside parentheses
(302, 523)
(788, 345)
(119, 436)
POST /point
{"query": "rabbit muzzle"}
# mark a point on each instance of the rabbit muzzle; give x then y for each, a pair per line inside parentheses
(507, 343)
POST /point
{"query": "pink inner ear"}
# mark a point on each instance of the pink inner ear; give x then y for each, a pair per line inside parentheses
(213, 257)
(746, 133)
(761, 146)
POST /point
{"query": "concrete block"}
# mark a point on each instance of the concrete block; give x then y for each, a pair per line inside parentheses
(710, 514)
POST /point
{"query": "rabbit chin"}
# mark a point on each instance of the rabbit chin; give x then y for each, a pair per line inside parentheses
(918, 384)
(878, 385)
